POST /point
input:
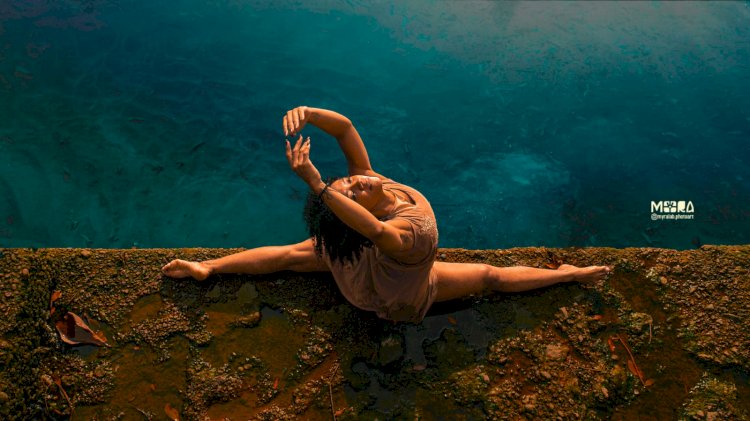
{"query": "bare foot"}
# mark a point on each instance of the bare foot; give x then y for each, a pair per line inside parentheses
(588, 273)
(182, 269)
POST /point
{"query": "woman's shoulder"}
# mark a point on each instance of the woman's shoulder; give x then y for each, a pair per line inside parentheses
(393, 183)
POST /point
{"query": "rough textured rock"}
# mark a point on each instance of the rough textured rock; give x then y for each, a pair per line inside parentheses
(667, 333)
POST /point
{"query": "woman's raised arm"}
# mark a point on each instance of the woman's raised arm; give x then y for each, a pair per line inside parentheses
(339, 127)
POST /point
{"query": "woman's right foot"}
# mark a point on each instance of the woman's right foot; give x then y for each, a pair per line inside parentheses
(588, 273)
(182, 269)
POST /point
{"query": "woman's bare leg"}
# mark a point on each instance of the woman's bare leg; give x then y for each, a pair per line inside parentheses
(298, 257)
(457, 280)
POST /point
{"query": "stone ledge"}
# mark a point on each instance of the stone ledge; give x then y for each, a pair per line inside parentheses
(285, 345)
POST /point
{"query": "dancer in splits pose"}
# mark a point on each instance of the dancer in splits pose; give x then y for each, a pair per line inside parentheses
(377, 237)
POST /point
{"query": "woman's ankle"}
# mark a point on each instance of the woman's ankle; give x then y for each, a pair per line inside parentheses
(209, 265)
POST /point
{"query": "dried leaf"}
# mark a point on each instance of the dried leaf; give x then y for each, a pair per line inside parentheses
(597, 317)
(75, 331)
(172, 412)
(58, 382)
(551, 265)
(611, 344)
(634, 369)
(451, 320)
(649, 382)
(339, 412)
(55, 296)
(632, 366)
(276, 383)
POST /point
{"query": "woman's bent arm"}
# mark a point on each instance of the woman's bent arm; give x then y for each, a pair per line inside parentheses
(339, 127)
(392, 236)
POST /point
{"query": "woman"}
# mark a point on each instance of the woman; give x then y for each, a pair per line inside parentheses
(377, 237)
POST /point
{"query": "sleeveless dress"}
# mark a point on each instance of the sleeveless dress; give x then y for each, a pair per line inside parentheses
(400, 287)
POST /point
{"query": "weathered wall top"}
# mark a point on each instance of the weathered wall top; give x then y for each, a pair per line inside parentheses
(667, 333)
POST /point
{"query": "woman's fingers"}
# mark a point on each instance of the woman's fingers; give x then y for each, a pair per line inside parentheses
(306, 149)
(300, 115)
(293, 121)
(298, 150)
(295, 118)
(290, 122)
(299, 154)
(289, 153)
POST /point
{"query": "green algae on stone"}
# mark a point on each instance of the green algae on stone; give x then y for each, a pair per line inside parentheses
(713, 399)
(534, 355)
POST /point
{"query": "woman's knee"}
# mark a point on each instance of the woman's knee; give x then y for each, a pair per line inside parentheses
(488, 276)
(301, 257)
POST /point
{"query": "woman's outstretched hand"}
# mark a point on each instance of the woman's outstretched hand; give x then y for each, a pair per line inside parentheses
(295, 119)
(299, 160)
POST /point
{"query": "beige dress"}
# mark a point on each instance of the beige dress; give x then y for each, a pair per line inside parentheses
(399, 287)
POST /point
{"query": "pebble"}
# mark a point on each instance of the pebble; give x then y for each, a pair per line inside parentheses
(700, 414)
(99, 371)
(443, 256)
(692, 289)
(25, 273)
(710, 307)
(663, 280)
(4, 397)
(47, 379)
(391, 349)
(555, 352)
(86, 253)
(546, 375)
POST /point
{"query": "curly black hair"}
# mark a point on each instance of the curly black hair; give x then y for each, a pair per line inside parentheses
(341, 242)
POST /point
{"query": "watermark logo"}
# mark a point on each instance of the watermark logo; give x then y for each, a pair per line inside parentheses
(672, 209)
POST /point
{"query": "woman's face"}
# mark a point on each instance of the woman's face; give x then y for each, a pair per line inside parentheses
(367, 191)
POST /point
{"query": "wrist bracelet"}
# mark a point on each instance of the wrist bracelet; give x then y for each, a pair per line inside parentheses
(320, 195)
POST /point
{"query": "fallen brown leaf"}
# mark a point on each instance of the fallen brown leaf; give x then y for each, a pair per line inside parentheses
(451, 320)
(172, 412)
(634, 368)
(74, 331)
(611, 344)
(649, 382)
(55, 296)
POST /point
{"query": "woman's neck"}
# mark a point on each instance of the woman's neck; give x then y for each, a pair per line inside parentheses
(387, 205)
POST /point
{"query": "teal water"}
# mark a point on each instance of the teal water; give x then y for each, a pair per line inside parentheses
(525, 124)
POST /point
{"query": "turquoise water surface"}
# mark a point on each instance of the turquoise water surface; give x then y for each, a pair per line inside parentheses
(158, 124)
